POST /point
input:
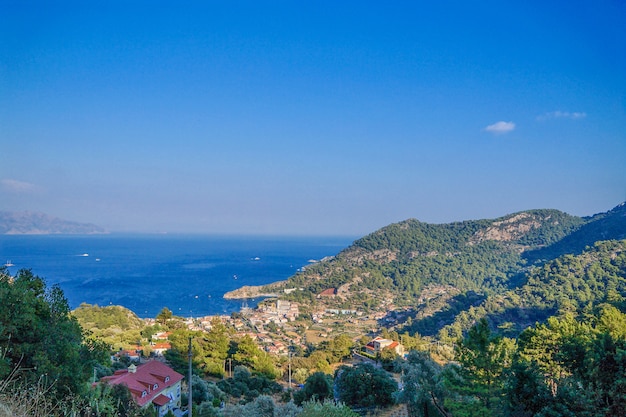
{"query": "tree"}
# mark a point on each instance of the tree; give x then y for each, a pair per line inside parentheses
(553, 346)
(177, 355)
(249, 354)
(206, 409)
(606, 365)
(122, 400)
(164, 316)
(199, 389)
(364, 385)
(245, 384)
(39, 338)
(482, 357)
(214, 345)
(338, 347)
(387, 356)
(569, 367)
(326, 409)
(318, 387)
(528, 393)
(423, 388)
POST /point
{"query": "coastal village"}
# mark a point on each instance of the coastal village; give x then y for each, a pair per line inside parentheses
(275, 326)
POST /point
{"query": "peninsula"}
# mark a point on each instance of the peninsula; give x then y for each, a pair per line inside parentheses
(254, 291)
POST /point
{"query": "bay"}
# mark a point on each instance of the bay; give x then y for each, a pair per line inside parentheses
(189, 274)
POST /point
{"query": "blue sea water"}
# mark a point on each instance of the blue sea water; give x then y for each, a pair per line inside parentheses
(189, 274)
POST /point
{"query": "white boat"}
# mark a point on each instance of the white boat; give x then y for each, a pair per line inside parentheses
(9, 263)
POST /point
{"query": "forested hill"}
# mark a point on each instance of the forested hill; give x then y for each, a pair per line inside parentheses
(602, 226)
(441, 270)
(570, 283)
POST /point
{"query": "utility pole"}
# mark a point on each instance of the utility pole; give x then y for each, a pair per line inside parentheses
(189, 402)
(290, 370)
(290, 353)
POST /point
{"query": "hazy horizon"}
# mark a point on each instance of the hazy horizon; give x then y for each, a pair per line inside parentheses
(310, 118)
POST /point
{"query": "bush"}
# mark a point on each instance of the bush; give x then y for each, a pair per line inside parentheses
(365, 386)
(318, 387)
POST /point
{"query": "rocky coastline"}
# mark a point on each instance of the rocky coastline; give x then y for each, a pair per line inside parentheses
(254, 291)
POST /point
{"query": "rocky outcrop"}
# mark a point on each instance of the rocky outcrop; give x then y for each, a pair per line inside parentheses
(510, 229)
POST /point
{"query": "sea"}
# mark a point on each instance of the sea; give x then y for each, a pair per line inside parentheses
(189, 274)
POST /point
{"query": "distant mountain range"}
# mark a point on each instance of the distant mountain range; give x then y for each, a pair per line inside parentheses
(445, 276)
(33, 223)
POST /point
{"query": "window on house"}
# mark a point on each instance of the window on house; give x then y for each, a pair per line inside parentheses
(143, 394)
(167, 379)
(155, 386)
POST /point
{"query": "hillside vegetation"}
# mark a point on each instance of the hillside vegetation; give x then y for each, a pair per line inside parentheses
(568, 284)
(115, 325)
(438, 271)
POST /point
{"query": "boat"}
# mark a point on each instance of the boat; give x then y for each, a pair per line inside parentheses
(9, 263)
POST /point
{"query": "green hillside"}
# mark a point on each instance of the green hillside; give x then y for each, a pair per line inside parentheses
(115, 325)
(602, 226)
(443, 273)
(568, 284)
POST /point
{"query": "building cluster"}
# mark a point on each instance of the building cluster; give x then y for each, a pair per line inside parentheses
(271, 325)
(278, 312)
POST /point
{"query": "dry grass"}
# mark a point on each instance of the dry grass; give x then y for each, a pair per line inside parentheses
(20, 400)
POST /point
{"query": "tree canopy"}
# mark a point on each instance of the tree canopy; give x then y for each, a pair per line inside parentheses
(39, 337)
(365, 385)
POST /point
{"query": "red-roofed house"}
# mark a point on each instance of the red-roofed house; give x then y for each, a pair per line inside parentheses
(132, 354)
(379, 343)
(159, 349)
(329, 292)
(151, 383)
(161, 336)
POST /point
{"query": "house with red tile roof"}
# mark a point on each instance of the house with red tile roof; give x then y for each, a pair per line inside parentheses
(329, 292)
(133, 354)
(160, 348)
(377, 344)
(150, 384)
(161, 336)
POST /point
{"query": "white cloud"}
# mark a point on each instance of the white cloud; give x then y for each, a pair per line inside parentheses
(558, 114)
(16, 186)
(499, 128)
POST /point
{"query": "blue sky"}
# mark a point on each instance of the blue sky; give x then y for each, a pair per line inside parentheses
(310, 117)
